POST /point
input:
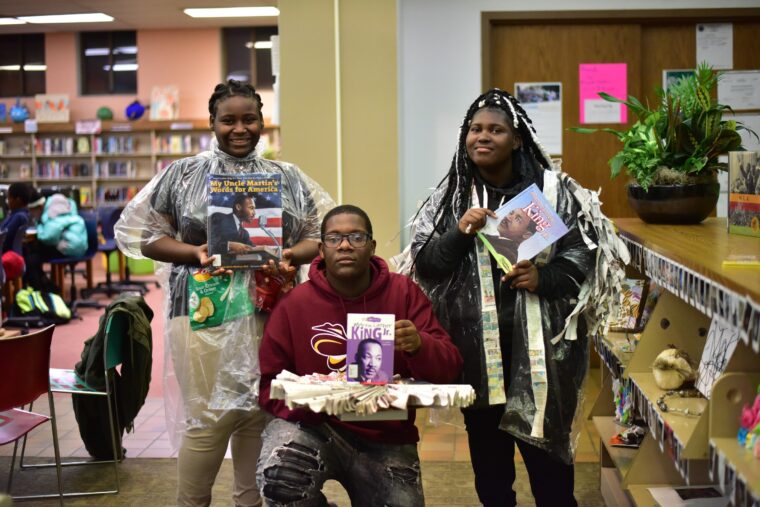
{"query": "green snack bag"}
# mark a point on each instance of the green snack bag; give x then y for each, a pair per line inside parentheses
(214, 300)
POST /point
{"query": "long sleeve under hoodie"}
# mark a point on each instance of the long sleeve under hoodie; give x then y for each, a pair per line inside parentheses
(306, 333)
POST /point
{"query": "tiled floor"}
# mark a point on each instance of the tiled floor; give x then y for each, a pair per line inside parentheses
(443, 437)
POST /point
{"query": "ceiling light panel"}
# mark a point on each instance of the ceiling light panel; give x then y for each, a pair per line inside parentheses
(233, 12)
(11, 21)
(92, 17)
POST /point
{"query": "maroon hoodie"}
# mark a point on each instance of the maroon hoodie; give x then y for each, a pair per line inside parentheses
(306, 334)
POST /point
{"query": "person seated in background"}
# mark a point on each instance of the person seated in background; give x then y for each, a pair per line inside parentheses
(376, 462)
(60, 233)
(18, 218)
(15, 225)
(36, 204)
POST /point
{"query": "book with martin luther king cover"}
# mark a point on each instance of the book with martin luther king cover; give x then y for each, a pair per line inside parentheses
(369, 347)
(523, 227)
(244, 219)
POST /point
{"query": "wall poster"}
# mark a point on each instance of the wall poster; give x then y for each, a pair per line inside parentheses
(543, 103)
(611, 78)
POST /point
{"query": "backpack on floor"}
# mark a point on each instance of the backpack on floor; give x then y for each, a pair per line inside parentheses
(48, 307)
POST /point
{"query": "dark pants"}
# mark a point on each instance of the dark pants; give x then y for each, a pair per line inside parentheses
(296, 460)
(492, 452)
(36, 254)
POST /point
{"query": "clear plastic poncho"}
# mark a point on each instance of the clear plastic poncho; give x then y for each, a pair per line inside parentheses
(541, 407)
(211, 371)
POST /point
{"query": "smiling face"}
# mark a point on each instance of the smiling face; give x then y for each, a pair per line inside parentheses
(369, 356)
(237, 125)
(491, 140)
(346, 264)
(516, 225)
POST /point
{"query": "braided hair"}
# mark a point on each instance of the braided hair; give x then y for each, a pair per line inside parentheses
(460, 176)
(233, 88)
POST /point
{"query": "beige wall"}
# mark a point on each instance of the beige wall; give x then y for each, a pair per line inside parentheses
(307, 89)
(163, 58)
(190, 59)
(367, 138)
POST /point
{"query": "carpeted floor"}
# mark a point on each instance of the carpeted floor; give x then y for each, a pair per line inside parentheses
(152, 483)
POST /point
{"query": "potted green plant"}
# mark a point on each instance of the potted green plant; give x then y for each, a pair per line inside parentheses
(671, 152)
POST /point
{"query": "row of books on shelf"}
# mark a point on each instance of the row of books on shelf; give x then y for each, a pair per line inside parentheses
(22, 149)
(56, 169)
(105, 196)
(80, 145)
(116, 144)
(116, 169)
(69, 145)
(180, 144)
(116, 195)
(107, 169)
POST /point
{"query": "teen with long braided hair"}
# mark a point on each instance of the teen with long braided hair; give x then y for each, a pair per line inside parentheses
(523, 334)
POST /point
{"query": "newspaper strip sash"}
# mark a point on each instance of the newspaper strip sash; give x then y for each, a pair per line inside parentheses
(536, 347)
(490, 321)
(537, 356)
(550, 192)
(703, 293)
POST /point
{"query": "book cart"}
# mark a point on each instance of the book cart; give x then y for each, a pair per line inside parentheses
(678, 450)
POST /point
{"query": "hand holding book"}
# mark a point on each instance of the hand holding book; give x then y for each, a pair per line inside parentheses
(474, 219)
(407, 338)
(524, 275)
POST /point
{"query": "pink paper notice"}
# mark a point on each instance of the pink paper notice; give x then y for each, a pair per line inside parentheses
(610, 78)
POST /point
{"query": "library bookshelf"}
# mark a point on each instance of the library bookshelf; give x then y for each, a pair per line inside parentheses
(108, 167)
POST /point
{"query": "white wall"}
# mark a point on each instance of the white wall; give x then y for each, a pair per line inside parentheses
(439, 73)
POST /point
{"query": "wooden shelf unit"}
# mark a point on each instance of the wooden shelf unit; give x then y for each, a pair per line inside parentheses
(686, 261)
(621, 457)
(116, 163)
(615, 351)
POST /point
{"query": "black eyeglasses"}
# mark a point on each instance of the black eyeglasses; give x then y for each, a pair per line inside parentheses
(355, 239)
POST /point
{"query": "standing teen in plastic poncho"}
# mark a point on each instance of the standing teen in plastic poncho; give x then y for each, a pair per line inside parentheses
(216, 368)
(525, 348)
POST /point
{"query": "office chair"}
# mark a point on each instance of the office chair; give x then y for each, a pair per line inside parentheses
(107, 216)
(24, 363)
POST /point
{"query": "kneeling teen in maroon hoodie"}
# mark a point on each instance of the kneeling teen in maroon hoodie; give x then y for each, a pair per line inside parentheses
(376, 462)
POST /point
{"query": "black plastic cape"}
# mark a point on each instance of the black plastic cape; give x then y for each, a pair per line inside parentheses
(446, 268)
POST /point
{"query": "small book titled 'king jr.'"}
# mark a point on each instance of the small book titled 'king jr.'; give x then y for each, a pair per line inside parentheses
(369, 347)
(244, 219)
(523, 227)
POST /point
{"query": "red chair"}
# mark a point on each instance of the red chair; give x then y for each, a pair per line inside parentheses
(25, 363)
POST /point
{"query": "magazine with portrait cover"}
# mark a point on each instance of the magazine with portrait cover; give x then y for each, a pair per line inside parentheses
(744, 193)
(244, 220)
(369, 347)
(630, 310)
(523, 227)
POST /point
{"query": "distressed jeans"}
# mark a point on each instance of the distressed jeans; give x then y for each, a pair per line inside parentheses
(296, 460)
